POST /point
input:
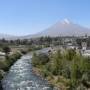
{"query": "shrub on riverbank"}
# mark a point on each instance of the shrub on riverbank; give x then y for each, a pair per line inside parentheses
(67, 70)
(5, 64)
(40, 59)
(33, 48)
(1, 76)
(1, 86)
(24, 51)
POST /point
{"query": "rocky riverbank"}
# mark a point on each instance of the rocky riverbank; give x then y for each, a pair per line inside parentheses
(50, 80)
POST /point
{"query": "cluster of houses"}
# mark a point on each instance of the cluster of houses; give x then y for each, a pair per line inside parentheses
(70, 43)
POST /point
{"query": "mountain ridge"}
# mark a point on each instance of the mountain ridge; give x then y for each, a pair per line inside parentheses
(63, 28)
(60, 28)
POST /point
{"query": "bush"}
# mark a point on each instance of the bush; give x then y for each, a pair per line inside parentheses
(40, 59)
(5, 64)
(6, 49)
(1, 76)
(32, 48)
(69, 65)
(23, 51)
(1, 86)
(70, 54)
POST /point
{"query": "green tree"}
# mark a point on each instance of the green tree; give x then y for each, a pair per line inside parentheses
(6, 49)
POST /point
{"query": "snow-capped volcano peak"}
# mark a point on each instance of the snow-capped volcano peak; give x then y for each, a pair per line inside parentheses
(63, 28)
(66, 21)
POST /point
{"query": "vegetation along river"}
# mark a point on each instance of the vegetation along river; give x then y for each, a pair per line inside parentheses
(22, 77)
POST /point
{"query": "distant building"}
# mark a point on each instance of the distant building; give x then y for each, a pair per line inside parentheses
(86, 53)
(84, 43)
(2, 55)
(84, 46)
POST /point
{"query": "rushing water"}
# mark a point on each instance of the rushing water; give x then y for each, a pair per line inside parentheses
(21, 77)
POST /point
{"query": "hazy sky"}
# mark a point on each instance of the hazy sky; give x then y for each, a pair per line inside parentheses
(21, 17)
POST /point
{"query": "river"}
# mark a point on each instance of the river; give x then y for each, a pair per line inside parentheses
(22, 77)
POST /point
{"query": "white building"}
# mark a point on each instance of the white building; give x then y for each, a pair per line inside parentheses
(2, 55)
(84, 46)
(86, 53)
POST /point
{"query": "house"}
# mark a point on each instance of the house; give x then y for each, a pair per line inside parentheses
(86, 53)
(84, 46)
(2, 55)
